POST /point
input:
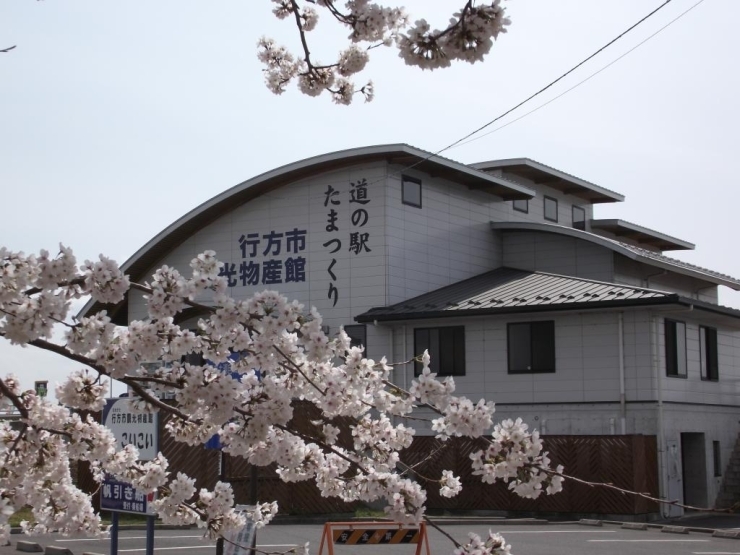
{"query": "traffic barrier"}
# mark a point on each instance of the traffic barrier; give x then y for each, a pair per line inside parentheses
(373, 533)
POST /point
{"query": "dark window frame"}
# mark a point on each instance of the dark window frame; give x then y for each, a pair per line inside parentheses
(708, 354)
(441, 361)
(352, 330)
(581, 224)
(717, 458)
(525, 210)
(544, 208)
(541, 358)
(673, 356)
(412, 180)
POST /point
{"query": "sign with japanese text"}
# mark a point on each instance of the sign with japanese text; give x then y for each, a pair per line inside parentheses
(131, 427)
(238, 543)
(124, 498)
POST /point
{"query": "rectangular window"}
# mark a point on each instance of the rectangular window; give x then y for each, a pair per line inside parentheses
(521, 205)
(579, 217)
(551, 209)
(411, 191)
(675, 348)
(531, 347)
(708, 358)
(446, 348)
(717, 458)
(357, 335)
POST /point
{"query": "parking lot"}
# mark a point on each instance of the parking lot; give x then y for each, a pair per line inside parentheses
(530, 539)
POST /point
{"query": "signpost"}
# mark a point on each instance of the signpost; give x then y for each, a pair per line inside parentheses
(243, 541)
(141, 430)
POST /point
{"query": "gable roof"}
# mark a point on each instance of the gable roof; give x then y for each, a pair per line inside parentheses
(559, 180)
(510, 291)
(633, 252)
(401, 154)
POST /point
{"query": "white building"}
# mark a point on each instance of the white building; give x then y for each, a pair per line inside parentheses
(579, 325)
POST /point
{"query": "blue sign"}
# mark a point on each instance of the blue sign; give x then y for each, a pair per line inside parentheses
(124, 498)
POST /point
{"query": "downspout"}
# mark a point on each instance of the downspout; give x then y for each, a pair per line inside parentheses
(661, 436)
(622, 395)
(405, 358)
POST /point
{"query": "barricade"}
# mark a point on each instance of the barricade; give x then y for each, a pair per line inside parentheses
(373, 533)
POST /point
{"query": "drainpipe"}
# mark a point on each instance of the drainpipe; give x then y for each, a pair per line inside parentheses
(622, 395)
(661, 435)
(405, 358)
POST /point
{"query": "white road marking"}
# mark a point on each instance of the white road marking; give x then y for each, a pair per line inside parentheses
(716, 552)
(647, 541)
(166, 548)
(121, 538)
(555, 531)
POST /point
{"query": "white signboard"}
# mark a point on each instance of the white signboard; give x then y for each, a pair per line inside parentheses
(240, 542)
(130, 427)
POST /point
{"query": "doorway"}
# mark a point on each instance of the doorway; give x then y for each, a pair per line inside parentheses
(694, 469)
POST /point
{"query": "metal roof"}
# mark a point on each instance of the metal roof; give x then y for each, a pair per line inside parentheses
(559, 180)
(630, 251)
(221, 204)
(506, 290)
(622, 228)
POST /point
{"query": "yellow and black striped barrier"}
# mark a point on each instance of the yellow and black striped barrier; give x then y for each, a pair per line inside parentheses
(373, 533)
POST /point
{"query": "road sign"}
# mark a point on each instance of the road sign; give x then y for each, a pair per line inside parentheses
(373, 533)
(131, 427)
(41, 388)
(124, 498)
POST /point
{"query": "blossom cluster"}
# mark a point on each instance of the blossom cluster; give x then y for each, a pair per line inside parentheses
(281, 353)
(468, 37)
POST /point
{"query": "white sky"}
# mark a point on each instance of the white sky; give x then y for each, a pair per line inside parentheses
(116, 117)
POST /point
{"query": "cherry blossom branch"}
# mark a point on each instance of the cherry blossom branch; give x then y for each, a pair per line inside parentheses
(15, 399)
(8, 49)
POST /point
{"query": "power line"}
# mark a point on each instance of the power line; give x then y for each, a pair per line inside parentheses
(571, 70)
(638, 45)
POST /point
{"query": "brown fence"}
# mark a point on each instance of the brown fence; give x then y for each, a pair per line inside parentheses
(629, 462)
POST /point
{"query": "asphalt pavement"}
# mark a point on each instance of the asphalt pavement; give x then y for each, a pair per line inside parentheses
(529, 537)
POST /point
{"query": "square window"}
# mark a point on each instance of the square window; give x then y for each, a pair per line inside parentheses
(551, 209)
(708, 360)
(446, 348)
(521, 205)
(675, 348)
(411, 191)
(357, 335)
(579, 217)
(531, 347)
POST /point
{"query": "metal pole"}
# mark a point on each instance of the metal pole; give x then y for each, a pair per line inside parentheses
(149, 535)
(114, 533)
(222, 478)
(253, 500)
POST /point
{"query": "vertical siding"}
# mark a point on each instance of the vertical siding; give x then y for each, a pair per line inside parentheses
(547, 252)
(361, 278)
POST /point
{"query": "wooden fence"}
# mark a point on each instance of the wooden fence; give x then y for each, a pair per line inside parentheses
(629, 462)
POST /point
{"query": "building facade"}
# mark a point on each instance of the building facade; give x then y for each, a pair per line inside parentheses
(581, 326)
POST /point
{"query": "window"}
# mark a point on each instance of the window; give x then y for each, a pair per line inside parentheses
(446, 348)
(708, 359)
(357, 335)
(579, 217)
(675, 348)
(521, 205)
(551, 209)
(411, 191)
(531, 347)
(717, 458)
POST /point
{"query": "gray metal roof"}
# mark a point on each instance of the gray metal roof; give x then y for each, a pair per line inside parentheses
(631, 251)
(506, 290)
(641, 234)
(547, 175)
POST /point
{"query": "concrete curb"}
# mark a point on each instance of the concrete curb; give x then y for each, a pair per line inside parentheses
(675, 530)
(590, 522)
(634, 526)
(56, 550)
(29, 547)
(733, 534)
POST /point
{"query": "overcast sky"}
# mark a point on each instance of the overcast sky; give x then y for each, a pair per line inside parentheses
(116, 118)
